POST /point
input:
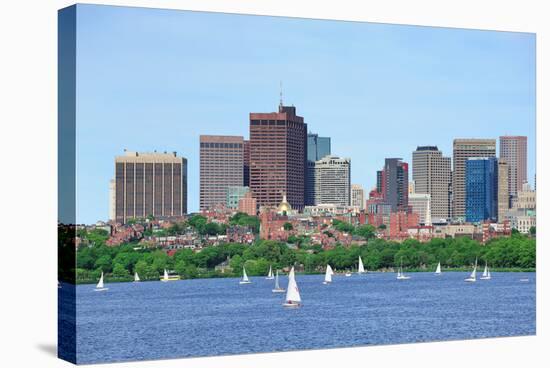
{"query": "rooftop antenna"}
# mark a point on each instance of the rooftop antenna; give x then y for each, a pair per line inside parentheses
(281, 93)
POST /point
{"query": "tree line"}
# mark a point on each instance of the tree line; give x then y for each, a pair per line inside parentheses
(515, 252)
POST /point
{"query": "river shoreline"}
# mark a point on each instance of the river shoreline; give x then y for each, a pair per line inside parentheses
(110, 279)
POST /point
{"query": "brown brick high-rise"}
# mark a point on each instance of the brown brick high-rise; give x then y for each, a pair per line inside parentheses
(278, 153)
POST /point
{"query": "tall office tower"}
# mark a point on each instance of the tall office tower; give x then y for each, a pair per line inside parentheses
(112, 199)
(380, 182)
(462, 150)
(332, 181)
(358, 196)
(221, 166)
(246, 163)
(513, 149)
(150, 184)
(432, 175)
(503, 189)
(278, 145)
(481, 189)
(420, 204)
(317, 148)
(396, 184)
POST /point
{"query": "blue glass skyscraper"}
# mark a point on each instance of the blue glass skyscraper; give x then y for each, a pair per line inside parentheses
(481, 189)
(317, 148)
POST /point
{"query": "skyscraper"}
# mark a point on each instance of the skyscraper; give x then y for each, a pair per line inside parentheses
(317, 148)
(234, 194)
(462, 150)
(513, 149)
(358, 196)
(396, 184)
(149, 184)
(481, 189)
(432, 175)
(332, 181)
(503, 189)
(246, 163)
(278, 156)
(221, 166)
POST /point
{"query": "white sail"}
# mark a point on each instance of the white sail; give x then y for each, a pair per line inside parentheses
(165, 275)
(245, 276)
(328, 274)
(399, 272)
(438, 269)
(277, 280)
(361, 268)
(485, 270)
(270, 273)
(100, 283)
(473, 274)
(136, 277)
(292, 293)
(488, 273)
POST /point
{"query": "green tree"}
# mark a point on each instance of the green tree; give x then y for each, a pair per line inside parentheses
(366, 231)
(287, 226)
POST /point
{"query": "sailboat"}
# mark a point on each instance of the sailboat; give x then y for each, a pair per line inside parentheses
(401, 274)
(245, 279)
(277, 289)
(292, 299)
(100, 286)
(472, 277)
(270, 274)
(347, 274)
(361, 267)
(136, 277)
(486, 273)
(328, 275)
(438, 269)
(168, 277)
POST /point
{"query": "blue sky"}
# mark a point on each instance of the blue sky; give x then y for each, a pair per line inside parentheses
(151, 79)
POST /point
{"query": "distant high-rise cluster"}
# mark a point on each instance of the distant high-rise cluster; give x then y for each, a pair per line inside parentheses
(282, 162)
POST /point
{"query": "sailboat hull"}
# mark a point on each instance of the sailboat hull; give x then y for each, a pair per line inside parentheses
(245, 282)
(278, 290)
(101, 289)
(270, 278)
(485, 278)
(470, 280)
(292, 305)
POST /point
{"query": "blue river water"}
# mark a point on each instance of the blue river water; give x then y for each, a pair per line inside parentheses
(187, 318)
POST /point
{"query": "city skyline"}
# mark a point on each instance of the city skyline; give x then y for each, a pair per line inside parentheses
(411, 100)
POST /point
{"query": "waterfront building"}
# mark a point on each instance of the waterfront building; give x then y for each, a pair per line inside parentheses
(463, 149)
(278, 142)
(332, 181)
(481, 189)
(248, 204)
(234, 195)
(420, 204)
(513, 150)
(358, 196)
(503, 189)
(149, 184)
(395, 183)
(317, 148)
(221, 166)
(432, 175)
